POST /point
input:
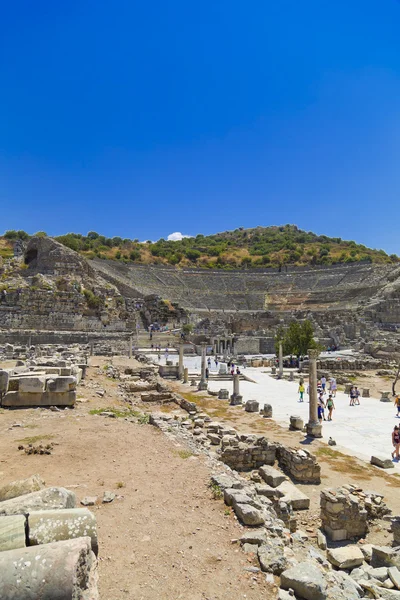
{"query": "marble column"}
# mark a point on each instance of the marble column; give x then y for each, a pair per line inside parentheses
(180, 367)
(236, 398)
(280, 372)
(185, 375)
(314, 427)
(203, 381)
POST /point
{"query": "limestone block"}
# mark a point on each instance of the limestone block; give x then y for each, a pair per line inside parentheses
(296, 423)
(32, 385)
(347, 557)
(249, 515)
(382, 462)
(267, 411)
(21, 487)
(4, 379)
(272, 558)
(61, 384)
(47, 499)
(48, 526)
(251, 406)
(60, 571)
(306, 580)
(223, 394)
(12, 532)
(365, 393)
(272, 476)
(293, 496)
(385, 396)
(383, 556)
(394, 575)
(19, 399)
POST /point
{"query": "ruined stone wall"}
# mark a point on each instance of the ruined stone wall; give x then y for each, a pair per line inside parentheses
(247, 452)
(301, 465)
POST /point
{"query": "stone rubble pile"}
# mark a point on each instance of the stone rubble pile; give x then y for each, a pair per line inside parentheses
(48, 547)
(346, 511)
(43, 380)
(265, 502)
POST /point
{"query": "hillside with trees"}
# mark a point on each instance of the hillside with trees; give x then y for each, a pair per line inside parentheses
(259, 247)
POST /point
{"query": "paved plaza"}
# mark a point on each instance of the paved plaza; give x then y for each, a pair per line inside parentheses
(359, 430)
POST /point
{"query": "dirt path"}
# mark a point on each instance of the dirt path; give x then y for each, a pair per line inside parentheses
(163, 536)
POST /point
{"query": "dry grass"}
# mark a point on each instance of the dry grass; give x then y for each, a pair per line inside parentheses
(36, 438)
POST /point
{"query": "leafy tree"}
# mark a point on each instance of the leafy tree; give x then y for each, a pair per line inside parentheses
(297, 339)
(187, 328)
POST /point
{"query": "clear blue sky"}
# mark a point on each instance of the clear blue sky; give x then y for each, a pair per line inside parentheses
(141, 119)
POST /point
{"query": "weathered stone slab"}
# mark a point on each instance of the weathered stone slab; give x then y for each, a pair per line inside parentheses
(21, 487)
(383, 556)
(32, 385)
(294, 496)
(251, 406)
(48, 526)
(380, 461)
(61, 571)
(394, 575)
(4, 379)
(271, 476)
(12, 532)
(249, 515)
(47, 499)
(272, 558)
(347, 557)
(19, 399)
(61, 384)
(306, 580)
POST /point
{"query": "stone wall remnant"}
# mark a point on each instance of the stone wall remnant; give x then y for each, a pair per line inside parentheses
(346, 511)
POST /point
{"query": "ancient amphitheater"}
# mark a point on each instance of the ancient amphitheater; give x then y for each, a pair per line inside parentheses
(59, 291)
(199, 290)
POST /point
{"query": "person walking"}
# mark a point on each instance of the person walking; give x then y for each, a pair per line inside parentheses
(321, 407)
(333, 387)
(301, 392)
(330, 406)
(356, 396)
(323, 384)
(397, 404)
(396, 442)
(352, 395)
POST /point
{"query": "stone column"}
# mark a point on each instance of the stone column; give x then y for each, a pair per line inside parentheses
(314, 427)
(91, 348)
(130, 346)
(180, 367)
(203, 382)
(280, 372)
(236, 398)
(185, 375)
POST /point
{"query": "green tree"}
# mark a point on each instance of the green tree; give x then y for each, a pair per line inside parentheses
(297, 339)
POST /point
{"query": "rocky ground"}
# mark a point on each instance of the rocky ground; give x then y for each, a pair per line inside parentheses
(163, 536)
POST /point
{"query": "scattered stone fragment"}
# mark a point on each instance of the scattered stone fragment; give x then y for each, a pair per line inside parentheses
(383, 463)
(347, 557)
(89, 501)
(272, 558)
(321, 540)
(306, 580)
(108, 497)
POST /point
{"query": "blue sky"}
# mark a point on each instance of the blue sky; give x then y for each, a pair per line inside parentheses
(141, 119)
